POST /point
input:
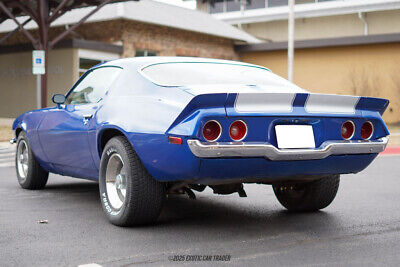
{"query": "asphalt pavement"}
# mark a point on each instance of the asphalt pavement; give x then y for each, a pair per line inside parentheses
(361, 227)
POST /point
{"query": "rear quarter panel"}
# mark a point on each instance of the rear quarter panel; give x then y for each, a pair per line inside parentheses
(143, 112)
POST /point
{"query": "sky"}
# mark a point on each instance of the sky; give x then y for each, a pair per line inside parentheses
(182, 3)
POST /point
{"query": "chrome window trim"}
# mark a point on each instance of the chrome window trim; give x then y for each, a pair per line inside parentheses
(140, 70)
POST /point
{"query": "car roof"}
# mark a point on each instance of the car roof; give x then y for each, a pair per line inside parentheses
(144, 61)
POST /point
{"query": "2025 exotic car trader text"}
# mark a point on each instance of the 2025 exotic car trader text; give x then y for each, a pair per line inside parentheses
(152, 126)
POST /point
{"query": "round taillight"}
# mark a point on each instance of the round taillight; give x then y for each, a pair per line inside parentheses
(348, 129)
(212, 131)
(367, 129)
(238, 130)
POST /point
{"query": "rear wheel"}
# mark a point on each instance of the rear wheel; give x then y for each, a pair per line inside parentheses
(129, 195)
(309, 196)
(29, 173)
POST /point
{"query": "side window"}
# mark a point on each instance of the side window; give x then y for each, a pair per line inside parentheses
(93, 86)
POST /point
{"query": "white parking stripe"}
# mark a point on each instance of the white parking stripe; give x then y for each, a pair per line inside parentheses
(7, 157)
(6, 165)
(90, 265)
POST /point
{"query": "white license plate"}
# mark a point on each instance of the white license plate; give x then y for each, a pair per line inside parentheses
(295, 136)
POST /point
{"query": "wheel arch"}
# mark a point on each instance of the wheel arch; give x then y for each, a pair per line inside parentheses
(105, 135)
(18, 130)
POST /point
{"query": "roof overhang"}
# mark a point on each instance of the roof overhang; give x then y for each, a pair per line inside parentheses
(150, 12)
(321, 9)
(321, 43)
(67, 43)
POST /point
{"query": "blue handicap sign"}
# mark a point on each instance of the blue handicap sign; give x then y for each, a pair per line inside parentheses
(38, 61)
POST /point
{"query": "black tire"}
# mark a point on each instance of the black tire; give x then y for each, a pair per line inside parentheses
(144, 196)
(308, 196)
(34, 177)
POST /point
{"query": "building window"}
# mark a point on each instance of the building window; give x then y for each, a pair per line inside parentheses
(221, 6)
(254, 4)
(145, 53)
(232, 5)
(217, 6)
(274, 3)
(304, 1)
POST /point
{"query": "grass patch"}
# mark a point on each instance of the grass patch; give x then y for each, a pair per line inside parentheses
(5, 133)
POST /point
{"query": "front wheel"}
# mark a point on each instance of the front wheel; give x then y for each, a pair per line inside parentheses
(128, 193)
(29, 173)
(308, 196)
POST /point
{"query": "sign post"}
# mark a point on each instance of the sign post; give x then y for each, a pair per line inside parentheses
(38, 68)
(290, 40)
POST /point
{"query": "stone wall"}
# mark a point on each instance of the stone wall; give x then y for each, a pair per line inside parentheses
(134, 36)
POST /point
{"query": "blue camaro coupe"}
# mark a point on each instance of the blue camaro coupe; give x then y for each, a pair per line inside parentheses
(147, 127)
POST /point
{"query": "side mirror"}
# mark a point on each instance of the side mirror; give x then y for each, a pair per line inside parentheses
(58, 99)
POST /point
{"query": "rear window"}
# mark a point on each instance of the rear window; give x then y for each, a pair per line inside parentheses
(203, 73)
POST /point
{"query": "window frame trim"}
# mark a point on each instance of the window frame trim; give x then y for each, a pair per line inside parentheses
(141, 69)
(84, 76)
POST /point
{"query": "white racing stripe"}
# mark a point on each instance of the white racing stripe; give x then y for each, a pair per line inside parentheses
(268, 102)
(336, 104)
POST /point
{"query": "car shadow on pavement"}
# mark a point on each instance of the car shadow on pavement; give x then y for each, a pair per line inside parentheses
(81, 191)
(210, 213)
(74, 187)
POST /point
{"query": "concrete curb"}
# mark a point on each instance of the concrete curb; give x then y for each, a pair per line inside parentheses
(391, 150)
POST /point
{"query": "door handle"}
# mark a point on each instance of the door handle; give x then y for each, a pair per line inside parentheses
(86, 118)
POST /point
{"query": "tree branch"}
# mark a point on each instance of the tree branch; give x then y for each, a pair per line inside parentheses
(73, 27)
(54, 14)
(30, 37)
(27, 9)
(8, 35)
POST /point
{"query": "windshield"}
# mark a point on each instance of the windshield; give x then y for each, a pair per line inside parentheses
(203, 73)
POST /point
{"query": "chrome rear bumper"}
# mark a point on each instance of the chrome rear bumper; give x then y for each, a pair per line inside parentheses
(252, 149)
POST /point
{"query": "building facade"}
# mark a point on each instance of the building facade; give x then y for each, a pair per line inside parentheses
(341, 46)
(144, 28)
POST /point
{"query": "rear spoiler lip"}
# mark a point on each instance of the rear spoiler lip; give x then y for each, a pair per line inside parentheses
(373, 104)
(227, 102)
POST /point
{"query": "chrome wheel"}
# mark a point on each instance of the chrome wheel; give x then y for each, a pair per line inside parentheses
(116, 181)
(22, 160)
